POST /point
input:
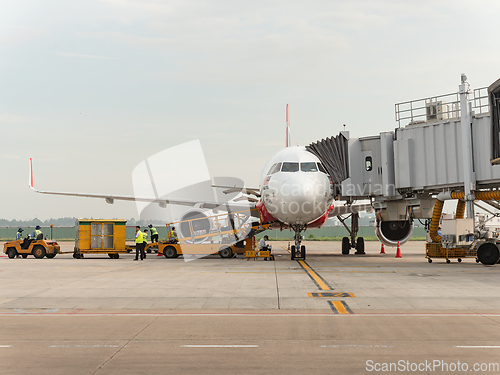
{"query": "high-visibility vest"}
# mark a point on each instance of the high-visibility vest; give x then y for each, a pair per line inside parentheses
(139, 239)
(153, 231)
(19, 235)
(174, 234)
(144, 237)
(37, 232)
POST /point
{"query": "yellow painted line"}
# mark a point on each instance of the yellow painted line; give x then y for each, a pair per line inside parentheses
(330, 295)
(340, 307)
(322, 285)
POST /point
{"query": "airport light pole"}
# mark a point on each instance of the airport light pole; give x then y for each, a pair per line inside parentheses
(467, 156)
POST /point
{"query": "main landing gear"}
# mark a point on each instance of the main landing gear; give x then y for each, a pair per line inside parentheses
(348, 243)
(298, 251)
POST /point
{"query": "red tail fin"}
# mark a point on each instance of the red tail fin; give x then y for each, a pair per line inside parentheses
(288, 139)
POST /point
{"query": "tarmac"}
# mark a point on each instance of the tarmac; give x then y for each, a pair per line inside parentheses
(328, 314)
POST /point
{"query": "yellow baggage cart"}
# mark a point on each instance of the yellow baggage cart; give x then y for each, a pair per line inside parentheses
(435, 250)
(100, 236)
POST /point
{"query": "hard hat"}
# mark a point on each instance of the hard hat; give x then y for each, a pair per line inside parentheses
(20, 230)
(150, 225)
(37, 227)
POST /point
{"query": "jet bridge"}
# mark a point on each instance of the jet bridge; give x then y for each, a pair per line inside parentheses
(441, 143)
(427, 152)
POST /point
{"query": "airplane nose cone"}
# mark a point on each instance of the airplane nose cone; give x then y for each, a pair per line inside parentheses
(301, 200)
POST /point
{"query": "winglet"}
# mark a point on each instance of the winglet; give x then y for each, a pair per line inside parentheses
(31, 175)
(288, 138)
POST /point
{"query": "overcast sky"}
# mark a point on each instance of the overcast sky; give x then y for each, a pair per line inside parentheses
(90, 89)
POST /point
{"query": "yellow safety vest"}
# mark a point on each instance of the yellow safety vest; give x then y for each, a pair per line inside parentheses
(153, 231)
(139, 239)
(144, 237)
(37, 232)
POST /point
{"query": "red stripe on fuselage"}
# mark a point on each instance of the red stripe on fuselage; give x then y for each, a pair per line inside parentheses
(322, 220)
(266, 217)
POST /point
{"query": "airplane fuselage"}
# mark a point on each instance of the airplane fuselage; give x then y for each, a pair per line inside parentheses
(295, 189)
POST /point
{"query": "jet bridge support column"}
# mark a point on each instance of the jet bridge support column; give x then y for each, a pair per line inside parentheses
(467, 155)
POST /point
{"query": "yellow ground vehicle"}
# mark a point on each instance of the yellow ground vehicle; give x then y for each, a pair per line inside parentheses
(37, 248)
(221, 234)
(173, 250)
(100, 236)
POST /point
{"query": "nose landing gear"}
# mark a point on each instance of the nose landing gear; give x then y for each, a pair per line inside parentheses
(298, 251)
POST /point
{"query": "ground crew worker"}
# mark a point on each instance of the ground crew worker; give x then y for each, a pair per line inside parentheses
(263, 246)
(19, 236)
(37, 234)
(175, 239)
(145, 240)
(154, 233)
(139, 244)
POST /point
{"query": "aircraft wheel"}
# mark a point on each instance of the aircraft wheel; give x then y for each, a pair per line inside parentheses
(303, 252)
(226, 252)
(292, 249)
(360, 245)
(39, 252)
(170, 252)
(11, 253)
(346, 245)
(488, 253)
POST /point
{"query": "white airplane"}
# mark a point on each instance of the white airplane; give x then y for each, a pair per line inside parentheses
(296, 192)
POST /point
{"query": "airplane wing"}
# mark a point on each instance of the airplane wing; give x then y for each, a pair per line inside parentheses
(109, 198)
(343, 210)
(236, 189)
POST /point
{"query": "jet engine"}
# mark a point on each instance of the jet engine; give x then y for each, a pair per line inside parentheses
(390, 232)
(195, 223)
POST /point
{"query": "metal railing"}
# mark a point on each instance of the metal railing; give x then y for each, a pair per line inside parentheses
(440, 108)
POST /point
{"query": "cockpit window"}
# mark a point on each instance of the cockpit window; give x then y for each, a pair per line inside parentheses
(290, 167)
(271, 169)
(308, 167)
(276, 168)
(321, 168)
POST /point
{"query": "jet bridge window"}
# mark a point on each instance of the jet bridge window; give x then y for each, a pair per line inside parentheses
(368, 163)
(308, 167)
(290, 167)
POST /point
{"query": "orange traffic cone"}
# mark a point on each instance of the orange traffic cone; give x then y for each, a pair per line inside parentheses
(382, 250)
(398, 252)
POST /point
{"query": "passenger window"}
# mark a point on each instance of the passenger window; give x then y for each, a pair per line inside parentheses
(308, 167)
(290, 167)
(276, 168)
(322, 169)
(368, 163)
